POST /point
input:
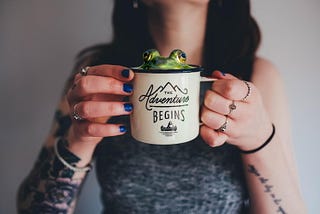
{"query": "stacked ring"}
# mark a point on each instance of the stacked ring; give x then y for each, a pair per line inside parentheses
(75, 114)
(248, 92)
(223, 127)
(84, 71)
(232, 107)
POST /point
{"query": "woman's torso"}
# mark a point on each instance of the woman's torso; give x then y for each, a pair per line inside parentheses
(185, 178)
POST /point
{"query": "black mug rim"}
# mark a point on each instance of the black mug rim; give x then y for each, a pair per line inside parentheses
(195, 68)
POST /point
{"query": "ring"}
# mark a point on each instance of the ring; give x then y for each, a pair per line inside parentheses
(248, 92)
(223, 127)
(84, 71)
(75, 115)
(232, 107)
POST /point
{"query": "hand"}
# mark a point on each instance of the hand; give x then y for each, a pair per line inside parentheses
(248, 125)
(96, 97)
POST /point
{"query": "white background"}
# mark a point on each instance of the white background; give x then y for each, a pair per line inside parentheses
(40, 38)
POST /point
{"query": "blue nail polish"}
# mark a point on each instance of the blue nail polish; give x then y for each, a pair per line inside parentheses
(128, 107)
(122, 129)
(223, 73)
(125, 73)
(127, 88)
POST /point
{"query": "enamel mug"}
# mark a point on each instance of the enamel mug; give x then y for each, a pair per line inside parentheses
(166, 105)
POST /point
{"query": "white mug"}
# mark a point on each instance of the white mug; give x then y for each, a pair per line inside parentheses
(166, 105)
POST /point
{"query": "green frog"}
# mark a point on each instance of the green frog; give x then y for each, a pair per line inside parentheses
(153, 60)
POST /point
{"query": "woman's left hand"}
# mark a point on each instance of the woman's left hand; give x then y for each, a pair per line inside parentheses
(239, 106)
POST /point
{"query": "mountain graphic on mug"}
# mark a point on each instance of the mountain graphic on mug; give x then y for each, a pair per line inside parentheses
(176, 88)
(164, 96)
(169, 127)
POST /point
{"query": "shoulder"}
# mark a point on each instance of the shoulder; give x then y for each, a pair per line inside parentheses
(268, 81)
(264, 69)
(266, 77)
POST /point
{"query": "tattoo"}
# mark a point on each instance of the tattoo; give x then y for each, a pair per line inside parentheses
(50, 187)
(268, 188)
(253, 170)
(64, 123)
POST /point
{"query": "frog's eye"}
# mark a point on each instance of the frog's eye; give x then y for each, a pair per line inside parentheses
(147, 56)
(182, 57)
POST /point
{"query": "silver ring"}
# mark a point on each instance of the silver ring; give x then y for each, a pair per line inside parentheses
(84, 71)
(248, 92)
(75, 114)
(232, 107)
(223, 127)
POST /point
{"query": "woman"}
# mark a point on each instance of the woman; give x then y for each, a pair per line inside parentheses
(248, 165)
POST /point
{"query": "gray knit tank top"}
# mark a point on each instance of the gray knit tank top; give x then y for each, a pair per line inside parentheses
(185, 178)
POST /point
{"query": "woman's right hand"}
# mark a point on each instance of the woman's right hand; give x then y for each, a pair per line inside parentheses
(95, 98)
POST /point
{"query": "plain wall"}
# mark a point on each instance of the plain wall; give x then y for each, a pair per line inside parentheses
(40, 38)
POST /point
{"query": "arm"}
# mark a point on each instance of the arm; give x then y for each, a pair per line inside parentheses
(53, 186)
(270, 172)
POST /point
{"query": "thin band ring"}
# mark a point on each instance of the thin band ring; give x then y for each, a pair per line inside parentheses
(84, 71)
(248, 92)
(75, 114)
(223, 127)
(232, 107)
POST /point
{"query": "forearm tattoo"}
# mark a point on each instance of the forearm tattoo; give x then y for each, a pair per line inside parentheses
(50, 187)
(268, 188)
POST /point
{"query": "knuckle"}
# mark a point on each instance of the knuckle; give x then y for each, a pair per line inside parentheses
(111, 84)
(205, 115)
(216, 141)
(208, 101)
(112, 108)
(91, 129)
(229, 89)
(85, 109)
(84, 84)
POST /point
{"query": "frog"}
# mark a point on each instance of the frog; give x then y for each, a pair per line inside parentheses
(152, 60)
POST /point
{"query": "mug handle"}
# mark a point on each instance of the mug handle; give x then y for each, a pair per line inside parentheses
(206, 79)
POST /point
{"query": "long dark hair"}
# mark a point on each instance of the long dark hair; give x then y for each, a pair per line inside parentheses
(232, 37)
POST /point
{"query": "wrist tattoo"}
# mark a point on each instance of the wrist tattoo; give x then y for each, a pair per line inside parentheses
(64, 123)
(268, 188)
(50, 187)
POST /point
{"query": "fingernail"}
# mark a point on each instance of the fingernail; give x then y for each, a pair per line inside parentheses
(127, 88)
(128, 107)
(125, 73)
(122, 129)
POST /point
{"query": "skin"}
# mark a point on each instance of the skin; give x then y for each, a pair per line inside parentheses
(271, 175)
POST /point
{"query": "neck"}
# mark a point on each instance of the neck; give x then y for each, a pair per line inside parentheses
(174, 27)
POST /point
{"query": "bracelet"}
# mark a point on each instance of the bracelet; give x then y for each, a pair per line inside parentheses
(66, 164)
(263, 145)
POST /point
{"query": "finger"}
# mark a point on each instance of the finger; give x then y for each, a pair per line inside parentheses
(89, 129)
(97, 109)
(221, 105)
(211, 137)
(217, 103)
(213, 119)
(116, 71)
(89, 85)
(235, 89)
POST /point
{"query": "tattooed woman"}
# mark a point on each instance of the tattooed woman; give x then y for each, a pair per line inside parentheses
(242, 160)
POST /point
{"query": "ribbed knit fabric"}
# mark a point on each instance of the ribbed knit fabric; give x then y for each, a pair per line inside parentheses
(185, 178)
